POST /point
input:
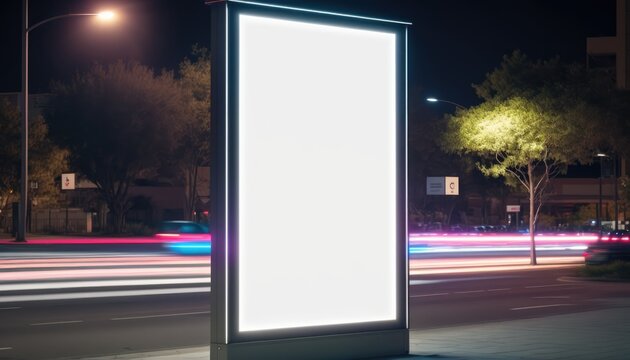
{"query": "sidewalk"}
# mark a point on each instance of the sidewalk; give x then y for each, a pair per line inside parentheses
(599, 334)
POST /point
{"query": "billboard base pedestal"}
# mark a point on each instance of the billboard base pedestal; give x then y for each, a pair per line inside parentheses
(330, 347)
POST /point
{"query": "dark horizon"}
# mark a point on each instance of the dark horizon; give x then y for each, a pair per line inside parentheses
(452, 43)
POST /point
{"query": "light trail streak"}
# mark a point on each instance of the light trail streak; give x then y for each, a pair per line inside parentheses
(107, 270)
(100, 283)
(161, 239)
(475, 239)
(481, 261)
(464, 249)
(103, 273)
(101, 294)
(104, 261)
(85, 241)
(474, 265)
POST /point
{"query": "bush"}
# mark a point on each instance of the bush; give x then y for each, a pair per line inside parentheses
(138, 229)
(614, 270)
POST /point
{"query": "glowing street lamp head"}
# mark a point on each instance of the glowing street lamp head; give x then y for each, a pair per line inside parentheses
(106, 16)
(432, 99)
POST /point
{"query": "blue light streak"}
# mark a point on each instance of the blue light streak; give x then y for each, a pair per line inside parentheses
(190, 247)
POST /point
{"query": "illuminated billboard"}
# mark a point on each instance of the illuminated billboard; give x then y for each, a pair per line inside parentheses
(310, 172)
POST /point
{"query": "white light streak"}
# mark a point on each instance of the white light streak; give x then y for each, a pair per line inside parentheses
(101, 294)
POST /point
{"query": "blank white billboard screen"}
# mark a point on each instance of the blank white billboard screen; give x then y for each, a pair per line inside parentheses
(317, 174)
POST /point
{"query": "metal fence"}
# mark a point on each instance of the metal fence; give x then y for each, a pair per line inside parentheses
(63, 220)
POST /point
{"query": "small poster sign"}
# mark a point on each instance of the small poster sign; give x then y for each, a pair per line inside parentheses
(68, 181)
(513, 208)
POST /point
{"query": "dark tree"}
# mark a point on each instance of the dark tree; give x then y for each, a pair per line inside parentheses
(193, 147)
(46, 161)
(118, 121)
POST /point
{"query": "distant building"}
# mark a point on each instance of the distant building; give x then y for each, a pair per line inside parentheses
(613, 51)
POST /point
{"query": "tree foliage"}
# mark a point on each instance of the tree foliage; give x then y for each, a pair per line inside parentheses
(536, 118)
(588, 95)
(192, 149)
(9, 152)
(118, 121)
(46, 160)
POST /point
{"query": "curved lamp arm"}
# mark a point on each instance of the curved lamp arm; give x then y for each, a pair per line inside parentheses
(432, 99)
(30, 28)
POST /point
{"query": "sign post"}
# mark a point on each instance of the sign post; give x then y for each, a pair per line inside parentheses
(309, 121)
(442, 185)
(68, 181)
(516, 209)
(435, 185)
(451, 185)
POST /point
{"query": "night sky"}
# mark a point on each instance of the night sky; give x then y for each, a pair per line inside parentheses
(453, 43)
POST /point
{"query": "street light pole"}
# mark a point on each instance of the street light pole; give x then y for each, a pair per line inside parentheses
(601, 156)
(599, 209)
(616, 194)
(22, 208)
(23, 205)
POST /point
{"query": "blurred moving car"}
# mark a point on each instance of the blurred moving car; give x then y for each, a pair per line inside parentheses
(185, 237)
(610, 247)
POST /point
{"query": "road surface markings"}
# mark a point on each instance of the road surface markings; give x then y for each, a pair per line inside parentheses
(540, 306)
(543, 286)
(10, 308)
(469, 278)
(6, 348)
(550, 297)
(101, 294)
(423, 282)
(58, 322)
(497, 289)
(426, 295)
(469, 292)
(160, 316)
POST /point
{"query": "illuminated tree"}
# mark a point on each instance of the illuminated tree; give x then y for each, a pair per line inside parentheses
(537, 118)
(526, 140)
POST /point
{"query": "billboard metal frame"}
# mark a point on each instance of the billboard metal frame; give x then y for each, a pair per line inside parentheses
(342, 341)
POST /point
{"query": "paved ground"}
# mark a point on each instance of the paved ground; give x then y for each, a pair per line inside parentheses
(600, 334)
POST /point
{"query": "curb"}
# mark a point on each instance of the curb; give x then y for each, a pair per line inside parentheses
(195, 353)
(585, 279)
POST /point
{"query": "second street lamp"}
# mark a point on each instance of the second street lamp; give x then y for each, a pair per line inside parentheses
(26, 29)
(432, 99)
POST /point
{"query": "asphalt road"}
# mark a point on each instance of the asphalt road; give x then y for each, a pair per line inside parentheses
(91, 326)
(474, 298)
